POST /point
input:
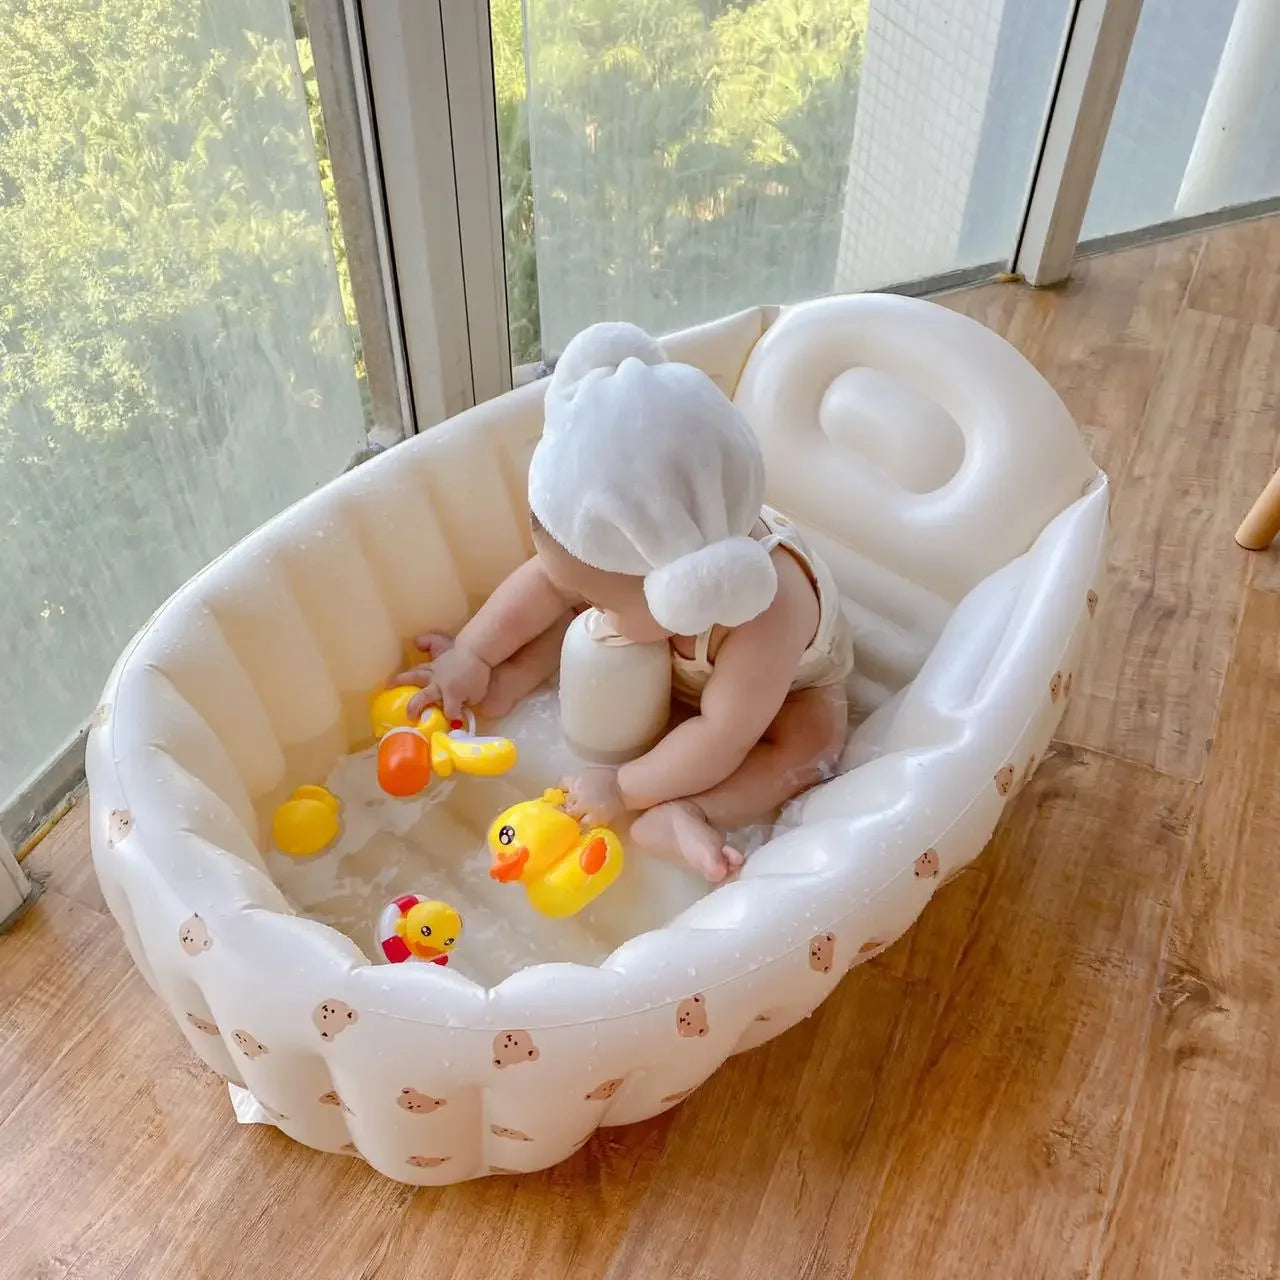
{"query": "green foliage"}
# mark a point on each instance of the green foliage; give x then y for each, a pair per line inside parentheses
(174, 366)
(516, 180)
(690, 154)
(127, 201)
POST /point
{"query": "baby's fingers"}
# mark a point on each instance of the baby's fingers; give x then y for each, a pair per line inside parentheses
(433, 643)
(427, 696)
(419, 675)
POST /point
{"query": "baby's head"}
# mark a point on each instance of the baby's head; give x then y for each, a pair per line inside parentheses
(644, 489)
(619, 596)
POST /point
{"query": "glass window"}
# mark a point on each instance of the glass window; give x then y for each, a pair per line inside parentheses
(1197, 124)
(175, 360)
(668, 161)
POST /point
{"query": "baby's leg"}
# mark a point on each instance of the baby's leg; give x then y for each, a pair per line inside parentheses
(799, 748)
(526, 669)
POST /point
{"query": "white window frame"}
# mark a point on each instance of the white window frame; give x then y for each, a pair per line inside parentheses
(17, 892)
(1091, 68)
(430, 73)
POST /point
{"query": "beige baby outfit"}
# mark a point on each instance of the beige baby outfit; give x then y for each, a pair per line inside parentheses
(829, 657)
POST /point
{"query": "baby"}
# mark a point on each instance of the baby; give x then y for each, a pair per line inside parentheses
(645, 494)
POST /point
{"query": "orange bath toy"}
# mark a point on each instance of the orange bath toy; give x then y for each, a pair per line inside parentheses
(409, 754)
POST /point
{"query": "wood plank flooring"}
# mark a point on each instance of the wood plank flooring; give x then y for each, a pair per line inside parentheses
(1070, 1067)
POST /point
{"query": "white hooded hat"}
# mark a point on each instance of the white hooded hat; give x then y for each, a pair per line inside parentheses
(645, 468)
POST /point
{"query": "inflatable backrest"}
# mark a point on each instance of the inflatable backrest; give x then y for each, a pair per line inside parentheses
(919, 451)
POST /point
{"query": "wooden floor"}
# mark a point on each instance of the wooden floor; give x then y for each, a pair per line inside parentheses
(1070, 1067)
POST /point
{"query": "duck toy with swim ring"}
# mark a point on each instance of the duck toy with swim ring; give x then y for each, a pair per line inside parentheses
(416, 928)
(562, 866)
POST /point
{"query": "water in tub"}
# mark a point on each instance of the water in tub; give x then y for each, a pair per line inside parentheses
(434, 844)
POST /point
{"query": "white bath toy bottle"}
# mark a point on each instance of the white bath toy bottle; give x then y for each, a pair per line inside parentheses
(615, 696)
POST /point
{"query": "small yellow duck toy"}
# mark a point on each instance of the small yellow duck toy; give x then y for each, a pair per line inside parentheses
(409, 752)
(562, 867)
(308, 822)
(416, 928)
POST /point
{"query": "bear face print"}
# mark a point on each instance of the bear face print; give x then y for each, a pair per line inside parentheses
(1055, 686)
(1091, 602)
(332, 1017)
(511, 1048)
(203, 1024)
(1066, 686)
(331, 1099)
(512, 1135)
(1004, 780)
(350, 1149)
(603, 1092)
(101, 714)
(691, 1016)
(428, 1162)
(119, 824)
(822, 951)
(249, 1045)
(926, 865)
(193, 936)
(419, 1104)
(762, 1017)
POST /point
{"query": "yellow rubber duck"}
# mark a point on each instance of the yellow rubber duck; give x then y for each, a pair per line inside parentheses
(562, 867)
(308, 822)
(416, 928)
(389, 708)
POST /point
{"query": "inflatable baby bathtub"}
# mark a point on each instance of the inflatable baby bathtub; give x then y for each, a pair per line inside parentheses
(950, 492)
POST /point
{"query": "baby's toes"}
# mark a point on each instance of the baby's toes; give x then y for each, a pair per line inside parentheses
(733, 858)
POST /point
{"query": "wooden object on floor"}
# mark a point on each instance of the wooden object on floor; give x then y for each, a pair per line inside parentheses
(1069, 1067)
(1258, 529)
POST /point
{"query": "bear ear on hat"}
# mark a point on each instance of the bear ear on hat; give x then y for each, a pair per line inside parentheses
(603, 346)
(725, 583)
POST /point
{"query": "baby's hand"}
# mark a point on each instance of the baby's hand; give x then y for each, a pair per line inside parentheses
(454, 676)
(593, 796)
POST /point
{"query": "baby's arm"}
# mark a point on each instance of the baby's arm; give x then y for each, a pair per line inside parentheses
(749, 683)
(522, 607)
(507, 630)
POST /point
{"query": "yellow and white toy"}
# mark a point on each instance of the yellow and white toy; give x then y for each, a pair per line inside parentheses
(307, 823)
(562, 867)
(409, 753)
(416, 928)
(389, 708)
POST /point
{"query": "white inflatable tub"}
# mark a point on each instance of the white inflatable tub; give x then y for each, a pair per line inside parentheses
(954, 499)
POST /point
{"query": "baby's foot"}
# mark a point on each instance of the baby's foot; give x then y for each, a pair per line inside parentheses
(680, 827)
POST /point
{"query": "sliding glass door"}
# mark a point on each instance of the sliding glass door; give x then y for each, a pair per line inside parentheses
(1197, 124)
(673, 160)
(176, 361)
